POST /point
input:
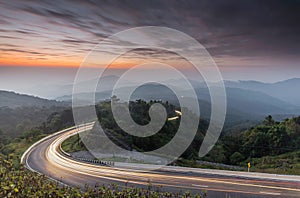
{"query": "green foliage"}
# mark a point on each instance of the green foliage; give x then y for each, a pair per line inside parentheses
(268, 121)
(269, 138)
(262, 145)
(288, 163)
(3, 139)
(139, 111)
(58, 120)
(236, 157)
(17, 146)
(14, 121)
(217, 154)
(73, 144)
(31, 133)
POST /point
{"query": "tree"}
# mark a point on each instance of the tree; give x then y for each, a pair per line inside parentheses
(236, 158)
(268, 121)
(3, 138)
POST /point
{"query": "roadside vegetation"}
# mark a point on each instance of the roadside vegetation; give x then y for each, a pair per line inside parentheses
(20, 182)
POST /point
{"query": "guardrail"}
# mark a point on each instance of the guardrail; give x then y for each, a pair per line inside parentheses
(219, 165)
(100, 162)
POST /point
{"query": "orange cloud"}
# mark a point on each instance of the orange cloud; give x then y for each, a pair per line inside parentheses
(23, 59)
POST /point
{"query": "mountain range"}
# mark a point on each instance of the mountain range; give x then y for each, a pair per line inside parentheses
(246, 100)
(243, 97)
(287, 90)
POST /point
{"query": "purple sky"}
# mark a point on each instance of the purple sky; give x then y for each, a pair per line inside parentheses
(253, 40)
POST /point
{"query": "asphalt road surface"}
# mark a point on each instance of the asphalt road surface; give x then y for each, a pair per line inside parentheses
(46, 158)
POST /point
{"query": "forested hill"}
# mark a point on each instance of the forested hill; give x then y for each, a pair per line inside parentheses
(19, 112)
(271, 146)
(272, 138)
(13, 100)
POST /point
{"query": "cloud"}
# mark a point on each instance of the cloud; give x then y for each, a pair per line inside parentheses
(232, 28)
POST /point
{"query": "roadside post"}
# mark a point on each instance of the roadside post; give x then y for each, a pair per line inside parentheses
(249, 165)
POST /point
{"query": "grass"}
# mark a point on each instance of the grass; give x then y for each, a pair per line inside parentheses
(71, 144)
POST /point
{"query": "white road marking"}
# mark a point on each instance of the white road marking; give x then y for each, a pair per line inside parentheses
(270, 193)
(201, 186)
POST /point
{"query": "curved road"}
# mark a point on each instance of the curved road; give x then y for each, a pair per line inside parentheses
(46, 158)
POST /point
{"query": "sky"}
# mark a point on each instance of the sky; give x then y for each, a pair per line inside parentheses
(47, 40)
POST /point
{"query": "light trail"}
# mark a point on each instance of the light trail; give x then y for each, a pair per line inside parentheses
(175, 117)
(55, 160)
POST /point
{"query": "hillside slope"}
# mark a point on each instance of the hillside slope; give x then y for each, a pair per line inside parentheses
(13, 100)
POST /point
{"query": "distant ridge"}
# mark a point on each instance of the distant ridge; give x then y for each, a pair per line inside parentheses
(14, 100)
(286, 90)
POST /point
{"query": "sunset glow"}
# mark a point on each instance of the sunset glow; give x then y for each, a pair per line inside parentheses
(43, 35)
